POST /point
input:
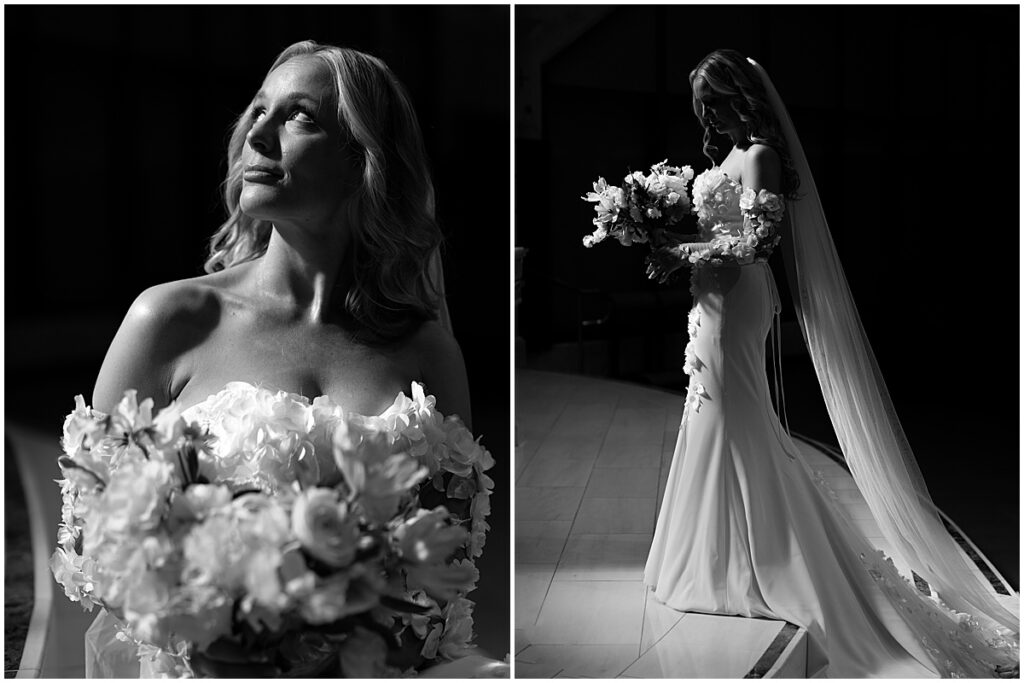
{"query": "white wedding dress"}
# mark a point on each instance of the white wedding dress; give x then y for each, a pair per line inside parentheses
(745, 527)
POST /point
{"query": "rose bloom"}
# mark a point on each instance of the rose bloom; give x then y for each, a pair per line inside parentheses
(427, 537)
(135, 497)
(322, 524)
(747, 199)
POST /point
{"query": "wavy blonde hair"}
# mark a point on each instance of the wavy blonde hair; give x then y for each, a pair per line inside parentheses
(395, 234)
(728, 73)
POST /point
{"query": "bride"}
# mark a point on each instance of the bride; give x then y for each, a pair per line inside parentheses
(324, 281)
(745, 527)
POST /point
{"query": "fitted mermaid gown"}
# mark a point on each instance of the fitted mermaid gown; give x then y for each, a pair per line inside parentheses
(745, 527)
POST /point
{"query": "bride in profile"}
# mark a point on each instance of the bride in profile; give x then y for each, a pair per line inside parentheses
(745, 527)
(324, 281)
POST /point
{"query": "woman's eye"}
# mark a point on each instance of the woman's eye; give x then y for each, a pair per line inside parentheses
(257, 113)
(302, 116)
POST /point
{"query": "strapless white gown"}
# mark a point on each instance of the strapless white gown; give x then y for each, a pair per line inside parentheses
(745, 527)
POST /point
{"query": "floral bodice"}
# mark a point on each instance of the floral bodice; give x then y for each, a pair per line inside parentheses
(737, 225)
(245, 420)
(716, 200)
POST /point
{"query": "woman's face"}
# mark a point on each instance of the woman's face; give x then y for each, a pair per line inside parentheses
(716, 108)
(297, 165)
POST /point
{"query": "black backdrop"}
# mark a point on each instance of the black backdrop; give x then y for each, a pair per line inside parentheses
(909, 115)
(116, 127)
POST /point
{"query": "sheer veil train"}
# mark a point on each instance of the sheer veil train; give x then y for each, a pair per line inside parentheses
(865, 422)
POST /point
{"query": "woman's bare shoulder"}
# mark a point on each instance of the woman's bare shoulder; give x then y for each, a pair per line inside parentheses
(759, 153)
(432, 340)
(762, 168)
(168, 301)
(441, 367)
(161, 325)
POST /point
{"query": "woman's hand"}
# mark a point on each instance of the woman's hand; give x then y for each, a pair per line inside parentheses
(661, 263)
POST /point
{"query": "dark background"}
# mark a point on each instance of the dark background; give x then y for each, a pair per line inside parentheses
(117, 120)
(909, 117)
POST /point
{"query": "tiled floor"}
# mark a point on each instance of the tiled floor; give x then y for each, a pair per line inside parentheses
(591, 465)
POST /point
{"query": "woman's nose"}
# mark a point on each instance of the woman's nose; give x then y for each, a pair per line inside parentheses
(259, 137)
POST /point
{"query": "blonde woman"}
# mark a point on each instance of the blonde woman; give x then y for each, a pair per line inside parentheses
(323, 281)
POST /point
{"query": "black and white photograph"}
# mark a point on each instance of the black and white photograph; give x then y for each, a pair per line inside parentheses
(512, 340)
(258, 285)
(766, 341)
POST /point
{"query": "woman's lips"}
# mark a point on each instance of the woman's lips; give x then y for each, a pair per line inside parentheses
(261, 174)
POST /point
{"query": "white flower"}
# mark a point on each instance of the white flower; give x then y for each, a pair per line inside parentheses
(321, 523)
(462, 451)
(71, 571)
(261, 437)
(147, 592)
(770, 201)
(195, 614)
(334, 598)
(428, 537)
(83, 427)
(215, 554)
(200, 500)
(598, 236)
(262, 582)
(479, 509)
(690, 364)
(135, 497)
(747, 199)
(379, 477)
(441, 581)
(458, 628)
(694, 396)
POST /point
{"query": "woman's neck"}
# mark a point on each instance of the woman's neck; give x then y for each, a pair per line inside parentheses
(306, 275)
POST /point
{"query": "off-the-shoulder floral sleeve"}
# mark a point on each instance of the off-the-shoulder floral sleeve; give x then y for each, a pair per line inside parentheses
(762, 212)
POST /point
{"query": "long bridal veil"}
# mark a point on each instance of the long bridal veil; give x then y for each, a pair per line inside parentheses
(435, 274)
(865, 422)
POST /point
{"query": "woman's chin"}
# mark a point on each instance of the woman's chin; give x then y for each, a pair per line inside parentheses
(258, 203)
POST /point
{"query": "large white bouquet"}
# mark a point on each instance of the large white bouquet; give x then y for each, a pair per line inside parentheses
(340, 543)
(655, 199)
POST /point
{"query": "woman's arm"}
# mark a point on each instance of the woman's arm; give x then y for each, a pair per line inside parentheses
(661, 263)
(762, 169)
(443, 370)
(145, 349)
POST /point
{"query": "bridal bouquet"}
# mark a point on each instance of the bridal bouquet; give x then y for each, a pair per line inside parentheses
(337, 542)
(658, 198)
